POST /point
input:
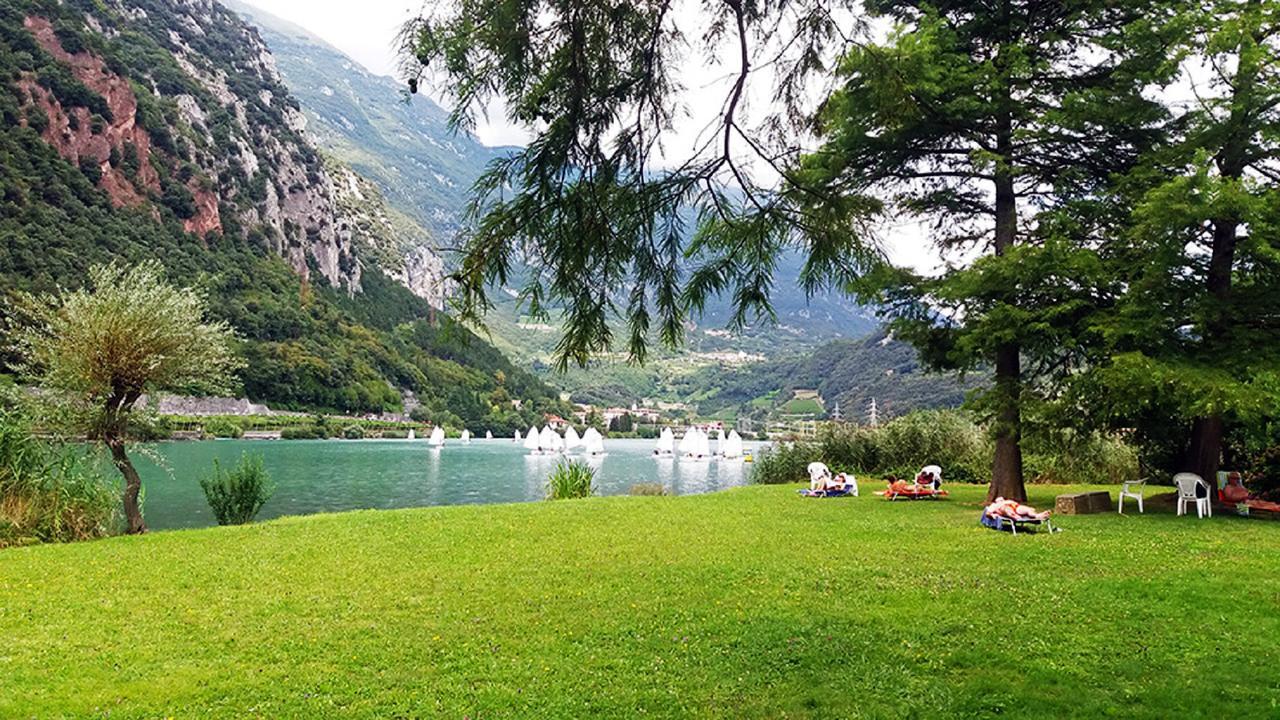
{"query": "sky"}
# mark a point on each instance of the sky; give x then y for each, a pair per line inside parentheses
(366, 32)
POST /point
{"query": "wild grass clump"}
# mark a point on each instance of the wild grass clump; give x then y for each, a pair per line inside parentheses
(646, 488)
(952, 439)
(353, 432)
(236, 496)
(49, 491)
(571, 480)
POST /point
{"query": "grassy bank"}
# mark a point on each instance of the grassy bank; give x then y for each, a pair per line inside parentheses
(747, 603)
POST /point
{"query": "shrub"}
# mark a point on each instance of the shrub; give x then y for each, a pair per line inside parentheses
(392, 434)
(785, 462)
(571, 480)
(304, 432)
(951, 439)
(1068, 457)
(1264, 476)
(353, 432)
(236, 496)
(220, 427)
(50, 492)
(648, 489)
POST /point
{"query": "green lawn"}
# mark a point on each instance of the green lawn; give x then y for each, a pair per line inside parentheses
(747, 603)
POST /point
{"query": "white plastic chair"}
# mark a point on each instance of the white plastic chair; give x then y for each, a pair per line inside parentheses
(1133, 489)
(1187, 484)
(819, 473)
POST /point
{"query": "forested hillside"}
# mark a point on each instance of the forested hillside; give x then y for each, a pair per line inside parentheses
(159, 128)
(848, 372)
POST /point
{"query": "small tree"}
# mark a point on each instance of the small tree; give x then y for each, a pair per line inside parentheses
(127, 333)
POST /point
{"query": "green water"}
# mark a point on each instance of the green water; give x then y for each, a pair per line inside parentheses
(333, 475)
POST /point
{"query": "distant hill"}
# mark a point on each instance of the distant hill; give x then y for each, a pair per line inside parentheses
(847, 373)
(160, 129)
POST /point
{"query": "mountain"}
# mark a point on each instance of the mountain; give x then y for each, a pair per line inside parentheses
(161, 128)
(399, 141)
(403, 144)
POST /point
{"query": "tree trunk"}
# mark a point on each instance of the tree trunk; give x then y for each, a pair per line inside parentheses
(1006, 471)
(1205, 450)
(1006, 475)
(132, 485)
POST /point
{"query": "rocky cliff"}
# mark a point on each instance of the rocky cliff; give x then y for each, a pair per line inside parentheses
(177, 105)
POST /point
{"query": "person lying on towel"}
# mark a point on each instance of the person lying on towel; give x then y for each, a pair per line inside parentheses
(1014, 510)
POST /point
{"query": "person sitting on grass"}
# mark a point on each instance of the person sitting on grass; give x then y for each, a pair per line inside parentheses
(1014, 510)
(819, 476)
(1234, 491)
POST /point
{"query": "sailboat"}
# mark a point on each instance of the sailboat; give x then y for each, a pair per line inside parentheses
(411, 435)
(666, 443)
(702, 447)
(551, 441)
(437, 437)
(488, 434)
(733, 446)
(517, 437)
(593, 442)
(571, 439)
(466, 436)
(531, 441)
(687, 442)
(719, 441)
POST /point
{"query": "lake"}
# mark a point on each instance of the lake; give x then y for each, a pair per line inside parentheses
(312, 476)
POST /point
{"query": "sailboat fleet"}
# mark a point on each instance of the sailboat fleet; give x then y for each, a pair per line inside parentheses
(694, 444)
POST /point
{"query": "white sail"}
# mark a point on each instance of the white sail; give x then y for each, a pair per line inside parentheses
(466, 436)
(557, 442)
(571, 439)
(720, 441)
(488, 434)
(733, 445)
(593, 441)
(531, 440)
(411, 435)
(547, 440)
(517, 437)
(702, 446)
(666, 442)
(437, 436)
(687, 442)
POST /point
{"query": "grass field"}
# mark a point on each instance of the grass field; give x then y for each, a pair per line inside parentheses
(746, 603)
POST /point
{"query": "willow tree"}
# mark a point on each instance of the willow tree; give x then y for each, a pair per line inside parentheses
(97, 350)
(972, 116)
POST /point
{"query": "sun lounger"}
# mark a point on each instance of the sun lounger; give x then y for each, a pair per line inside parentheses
(1011, 525)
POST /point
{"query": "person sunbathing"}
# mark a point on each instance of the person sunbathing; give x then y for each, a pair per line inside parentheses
(841, 482)
(1014, 510)
(1234, 491)
(898, 487)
